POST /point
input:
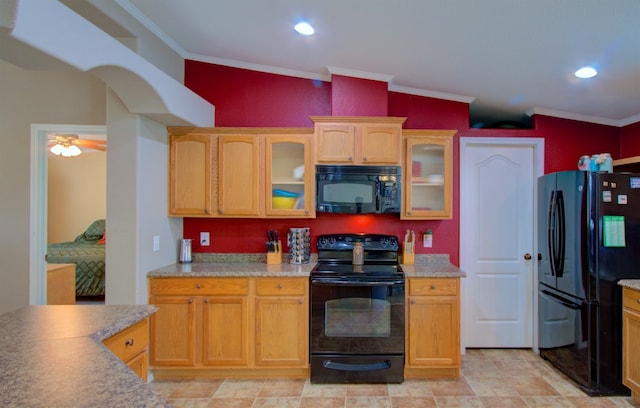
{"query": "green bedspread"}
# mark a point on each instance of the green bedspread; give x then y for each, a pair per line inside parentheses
(88, 255)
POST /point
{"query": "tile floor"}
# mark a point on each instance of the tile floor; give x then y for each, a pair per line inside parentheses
(490, 378)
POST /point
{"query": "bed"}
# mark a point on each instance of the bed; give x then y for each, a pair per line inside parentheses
(87, 252)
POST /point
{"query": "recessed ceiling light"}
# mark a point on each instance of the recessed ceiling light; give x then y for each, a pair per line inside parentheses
(586, 72)
(304, 28)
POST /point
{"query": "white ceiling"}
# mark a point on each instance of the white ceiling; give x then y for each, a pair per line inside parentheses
(509, 57)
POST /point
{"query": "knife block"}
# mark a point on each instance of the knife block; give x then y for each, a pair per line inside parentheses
(408, 255)
(408, 258)
(275, 257)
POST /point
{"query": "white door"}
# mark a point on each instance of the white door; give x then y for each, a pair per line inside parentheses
(497, 239)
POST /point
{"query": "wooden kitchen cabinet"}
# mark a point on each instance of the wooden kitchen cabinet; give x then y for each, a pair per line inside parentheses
(358, 140)
(239, 178)
(201, 322)
(233, 172)
(631, 341)
(289, 171)
(282, 315)
(132, 347)
(190, 172)
(427, 174)
(433, 328)
(220, 327)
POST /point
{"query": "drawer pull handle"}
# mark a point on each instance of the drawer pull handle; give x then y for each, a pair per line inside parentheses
(413, 301)
(206, 301)
(129, 343)
(190, 300)
(433, 286)
(300, 301)
(197, 286)
(638, 300)
(279, 286)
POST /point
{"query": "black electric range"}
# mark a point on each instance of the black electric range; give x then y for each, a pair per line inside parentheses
(357, 310)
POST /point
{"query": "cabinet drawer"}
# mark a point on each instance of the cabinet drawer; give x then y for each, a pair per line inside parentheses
(433, 287)
(129, 342)
(280, 286)
(631, 299)
(199, 286)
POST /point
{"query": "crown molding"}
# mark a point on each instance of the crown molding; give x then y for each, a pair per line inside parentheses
(359, 74)
(573, 116)
(432, 94)
(260, 68)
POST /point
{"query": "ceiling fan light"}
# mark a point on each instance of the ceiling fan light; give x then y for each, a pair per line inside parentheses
(57, 149)
(71, 151)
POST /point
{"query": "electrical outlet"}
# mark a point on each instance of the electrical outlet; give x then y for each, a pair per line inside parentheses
(204, 239)
(156, 243)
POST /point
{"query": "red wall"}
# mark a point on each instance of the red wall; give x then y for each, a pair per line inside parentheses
(358, 97)
(630, 140)
(248, 98)
(566, 140)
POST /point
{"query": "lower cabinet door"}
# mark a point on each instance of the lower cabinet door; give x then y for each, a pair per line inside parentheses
(225, 331)
(140, 365)
(173, 331)
(433, 325)
(281, 331)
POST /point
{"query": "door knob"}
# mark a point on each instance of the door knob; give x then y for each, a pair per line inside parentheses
(527, 256)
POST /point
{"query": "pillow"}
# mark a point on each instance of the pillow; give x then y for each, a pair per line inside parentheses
(95, 231)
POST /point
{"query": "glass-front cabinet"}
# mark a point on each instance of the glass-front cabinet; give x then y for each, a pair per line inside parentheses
(289, 176)
(427, 174)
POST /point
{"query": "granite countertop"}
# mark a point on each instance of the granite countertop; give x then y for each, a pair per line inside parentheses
(231, 269)
(630, 283)
(53, 356)
(426, 266)
(432, 267)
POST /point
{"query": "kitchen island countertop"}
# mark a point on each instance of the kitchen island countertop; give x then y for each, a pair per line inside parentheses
(53, 356)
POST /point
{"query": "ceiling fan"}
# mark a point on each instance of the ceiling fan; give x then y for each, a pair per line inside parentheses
(68, 145)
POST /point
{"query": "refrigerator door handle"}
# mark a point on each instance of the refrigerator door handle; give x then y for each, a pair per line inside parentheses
(550, 232)
(561, 235)
(561, 300)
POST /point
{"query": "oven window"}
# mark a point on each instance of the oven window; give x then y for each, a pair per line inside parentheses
(357, 317)
(347, 193)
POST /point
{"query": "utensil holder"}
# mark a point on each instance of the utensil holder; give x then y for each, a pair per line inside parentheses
(275, 257)
(299, 242)
(408, 258)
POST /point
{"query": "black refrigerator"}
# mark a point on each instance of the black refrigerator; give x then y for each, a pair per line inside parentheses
(588, 239)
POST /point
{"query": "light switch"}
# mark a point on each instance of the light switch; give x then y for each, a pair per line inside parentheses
(156, 243)
(204, 239)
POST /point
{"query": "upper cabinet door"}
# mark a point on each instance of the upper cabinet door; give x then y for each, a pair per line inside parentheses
(239, 181)
(190, 164)
(427, 174)
(335, 143)
(358, 140)
(380, 144)
(289, 176)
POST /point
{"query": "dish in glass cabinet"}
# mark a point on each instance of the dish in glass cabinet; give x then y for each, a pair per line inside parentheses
(435, 179)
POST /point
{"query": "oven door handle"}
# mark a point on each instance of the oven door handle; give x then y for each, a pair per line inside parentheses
(382, 365)
(342, 282)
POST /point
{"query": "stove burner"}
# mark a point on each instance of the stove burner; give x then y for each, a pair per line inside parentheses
(335, 256)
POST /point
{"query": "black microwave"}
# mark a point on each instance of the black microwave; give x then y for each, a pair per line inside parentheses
(358, 189)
